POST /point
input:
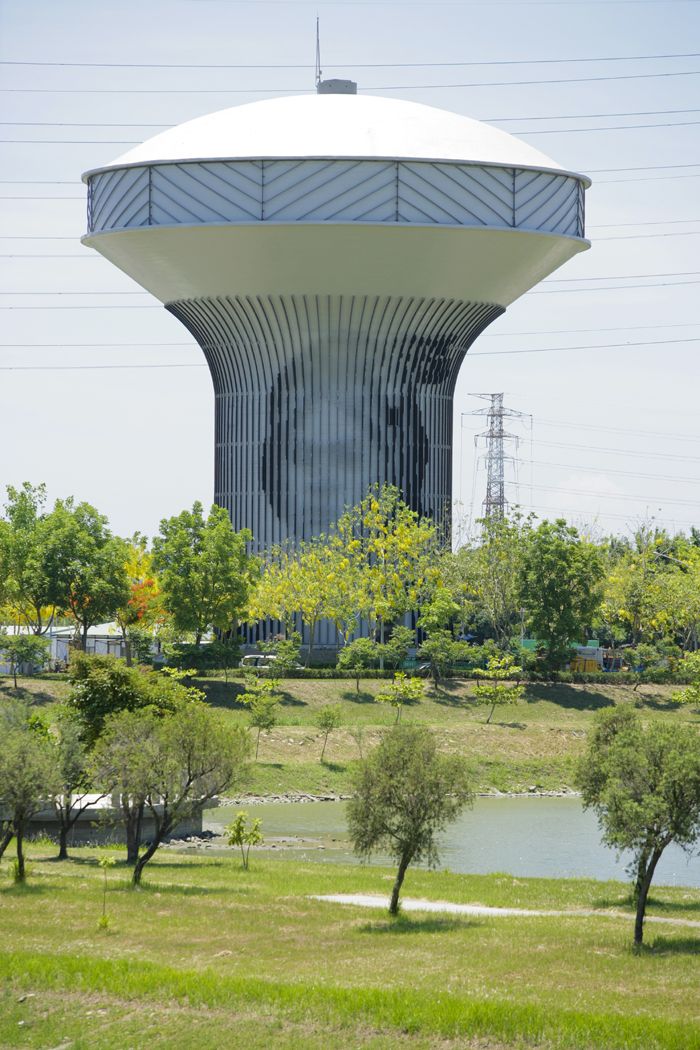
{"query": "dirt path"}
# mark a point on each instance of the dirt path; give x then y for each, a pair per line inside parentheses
(369, 900)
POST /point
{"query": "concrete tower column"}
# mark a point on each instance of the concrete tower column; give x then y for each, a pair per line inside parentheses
(318, 397)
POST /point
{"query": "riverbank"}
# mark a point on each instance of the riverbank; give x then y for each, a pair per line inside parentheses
(528, 749)
(206, 947)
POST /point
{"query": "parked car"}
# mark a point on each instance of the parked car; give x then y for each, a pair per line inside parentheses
(258, 660)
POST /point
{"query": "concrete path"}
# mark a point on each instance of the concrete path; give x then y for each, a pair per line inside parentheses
(369, 900)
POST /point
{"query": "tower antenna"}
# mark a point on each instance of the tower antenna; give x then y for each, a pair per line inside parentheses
(318, 51)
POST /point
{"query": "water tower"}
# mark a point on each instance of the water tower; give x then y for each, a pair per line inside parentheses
(334, 255)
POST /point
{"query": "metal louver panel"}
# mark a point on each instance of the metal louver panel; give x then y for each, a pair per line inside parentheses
(348, 191)
(119, 199)
(318, 397)
(327, 190)
(455, 194)
(546, 202)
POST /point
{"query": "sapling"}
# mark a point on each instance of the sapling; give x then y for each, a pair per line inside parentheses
(403, 690)
(327, 719)
(106, 862)
(244, 835)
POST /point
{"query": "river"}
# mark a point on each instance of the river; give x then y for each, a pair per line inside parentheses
(548, 837)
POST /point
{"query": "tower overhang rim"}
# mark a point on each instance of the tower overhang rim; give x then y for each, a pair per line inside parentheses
(87, 175)
(291, 223)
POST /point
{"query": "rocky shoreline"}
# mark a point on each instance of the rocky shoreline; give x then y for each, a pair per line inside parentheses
(303, 796)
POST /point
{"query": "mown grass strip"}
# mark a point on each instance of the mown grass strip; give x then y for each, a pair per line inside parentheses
(449, 1016)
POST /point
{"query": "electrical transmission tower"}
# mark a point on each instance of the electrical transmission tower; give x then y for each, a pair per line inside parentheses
(496, 437)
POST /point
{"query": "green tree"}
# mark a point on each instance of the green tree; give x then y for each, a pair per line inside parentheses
(328, 718)
(645, 662)
(104, 685)
(175, 764)
(204, 569)
(559, 586)
(262, 697)
(392, 554)
(244, 835)
(395, 651)
(72, 759)
(403, 690)
(643, 782)
(358, 656)
(28, 778)
(690, 668)
(30, 583)
(21, 649)
(86, 565)
(442, 652)
(497, 689)
(404, 793)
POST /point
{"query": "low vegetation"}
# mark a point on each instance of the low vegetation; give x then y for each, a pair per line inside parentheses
(206, 944)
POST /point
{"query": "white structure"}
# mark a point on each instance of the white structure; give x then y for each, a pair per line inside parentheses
(335, 256)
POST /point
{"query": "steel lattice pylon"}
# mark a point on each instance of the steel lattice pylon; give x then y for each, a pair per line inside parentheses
(495, 502)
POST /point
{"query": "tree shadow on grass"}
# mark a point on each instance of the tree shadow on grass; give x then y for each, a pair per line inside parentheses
(28, 889)
(358, 698)
(334, 767)
(672, 946)
(448, 700)
(35, 698)
(148, 886)
(657, 702)
(291, 701)
(430, 924)
(568, 697)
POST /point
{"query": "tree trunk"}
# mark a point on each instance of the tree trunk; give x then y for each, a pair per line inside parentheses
(493, 708)
(63, 842)
(133, 820)
(400, 874)
(257, 746)
(14, 674)
(312, 632)
(84, 638)
(643, 883)
(127, 651)
(143, 860)
(6, 839)
(323, 749)
(21, 873)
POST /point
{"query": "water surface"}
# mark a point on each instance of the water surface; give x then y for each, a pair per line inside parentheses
(548, 837)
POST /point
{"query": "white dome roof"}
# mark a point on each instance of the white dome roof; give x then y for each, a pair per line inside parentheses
(337, 126)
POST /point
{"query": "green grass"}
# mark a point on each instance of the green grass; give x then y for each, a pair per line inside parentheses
(205, 946)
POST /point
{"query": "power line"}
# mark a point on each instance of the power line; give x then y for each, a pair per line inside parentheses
(488, 335)
(613, 287)
(490, 120)
(616, 430)
(374, 87)
(646, 167)
(521, 131)
(609, 470)
(622, 277)
(593, 346)
(553, 291)
(597, 450)
(624, 498)
(580, 331)
(345, 65)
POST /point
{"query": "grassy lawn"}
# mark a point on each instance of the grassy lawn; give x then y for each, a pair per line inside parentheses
(208, 955)
(531, 745)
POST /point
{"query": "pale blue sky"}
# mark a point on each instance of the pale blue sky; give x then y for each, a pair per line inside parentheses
(139, 442)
